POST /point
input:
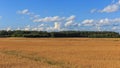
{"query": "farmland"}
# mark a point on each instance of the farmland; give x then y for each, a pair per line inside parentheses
(59, 53)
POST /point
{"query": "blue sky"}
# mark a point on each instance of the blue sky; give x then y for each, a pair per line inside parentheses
(59, 15)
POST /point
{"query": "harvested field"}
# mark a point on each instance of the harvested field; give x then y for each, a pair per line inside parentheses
(59, 53)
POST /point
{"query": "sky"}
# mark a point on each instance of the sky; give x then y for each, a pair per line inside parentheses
(60, 15)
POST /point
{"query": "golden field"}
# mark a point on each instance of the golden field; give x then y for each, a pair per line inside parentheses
(59, 53)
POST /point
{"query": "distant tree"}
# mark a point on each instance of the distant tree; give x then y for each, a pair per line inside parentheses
(80, 34)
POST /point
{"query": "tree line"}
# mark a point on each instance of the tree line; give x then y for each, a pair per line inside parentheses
(60, 34)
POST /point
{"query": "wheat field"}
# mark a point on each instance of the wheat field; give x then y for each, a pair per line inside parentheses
(59, 53)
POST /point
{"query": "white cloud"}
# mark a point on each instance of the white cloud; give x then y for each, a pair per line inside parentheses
(30, 14)
(72, 17)
(100, 22)
(88, 22)
(49, 19)
(116, 20)
(105, 21)
(27, 28)
(68, 23)
(54, 19)
(50, 29)
(57, 25)
(115, 28)
(98, 28)
(36, 16)
(8, 28)
(93, 10)
(41, 25)
(25, 11)
(110, 8)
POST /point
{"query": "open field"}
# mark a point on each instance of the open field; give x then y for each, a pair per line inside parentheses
(59, 53)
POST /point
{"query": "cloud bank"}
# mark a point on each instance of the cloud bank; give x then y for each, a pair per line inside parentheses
(70, 22)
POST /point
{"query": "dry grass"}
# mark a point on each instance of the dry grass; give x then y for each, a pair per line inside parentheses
(59, 53)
